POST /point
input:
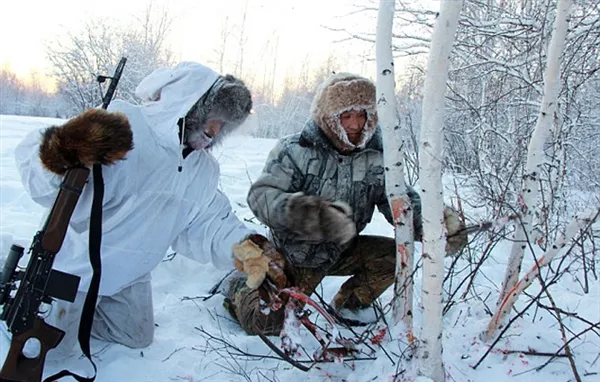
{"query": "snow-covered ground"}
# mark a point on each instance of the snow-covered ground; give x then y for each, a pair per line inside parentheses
(183, 350)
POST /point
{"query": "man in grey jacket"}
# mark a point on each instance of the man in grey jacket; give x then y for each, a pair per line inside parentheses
(317, 192)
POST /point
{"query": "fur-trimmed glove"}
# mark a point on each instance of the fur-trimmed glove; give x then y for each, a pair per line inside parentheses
(457, 235)
(95, 136)
(257, 257)
(316, 219)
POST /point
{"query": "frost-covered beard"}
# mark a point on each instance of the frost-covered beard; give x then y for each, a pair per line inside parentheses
(197, 139)
(195, 123)
(202, 142)
(228, 101)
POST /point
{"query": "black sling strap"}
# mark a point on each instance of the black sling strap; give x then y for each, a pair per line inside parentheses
(89, 306)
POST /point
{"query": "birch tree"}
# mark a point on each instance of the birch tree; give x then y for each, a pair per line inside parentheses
(536, 158)
(496, 86)
(578, 223)
(394, 170)
(431, 154)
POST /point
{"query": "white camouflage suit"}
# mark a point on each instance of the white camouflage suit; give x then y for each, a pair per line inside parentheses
(148, 207)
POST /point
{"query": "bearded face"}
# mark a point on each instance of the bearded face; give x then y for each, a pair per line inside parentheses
(223, 108)
(198, 128)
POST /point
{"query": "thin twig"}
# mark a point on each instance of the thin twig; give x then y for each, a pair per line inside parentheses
(564, 338)
(510, 322)
(595, 360)
(568, 314)
(283, 356)
(586, 287)
(597, 325)
(533, 353)
(174, 351)
(231, 346)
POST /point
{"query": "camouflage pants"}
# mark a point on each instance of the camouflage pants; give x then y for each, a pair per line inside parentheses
(371, 261)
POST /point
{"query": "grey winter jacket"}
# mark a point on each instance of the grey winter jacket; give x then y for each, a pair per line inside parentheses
(308, 162)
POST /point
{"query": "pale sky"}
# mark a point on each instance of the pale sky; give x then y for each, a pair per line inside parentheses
(26, 25)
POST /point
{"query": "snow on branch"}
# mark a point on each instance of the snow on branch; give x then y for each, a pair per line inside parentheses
(535, 154)
(577, 224)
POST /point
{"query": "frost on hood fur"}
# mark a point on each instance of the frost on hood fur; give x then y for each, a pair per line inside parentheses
(228, 100)
(337, 94)
(194, 91)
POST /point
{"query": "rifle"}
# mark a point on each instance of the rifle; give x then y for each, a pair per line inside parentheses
(38, 283)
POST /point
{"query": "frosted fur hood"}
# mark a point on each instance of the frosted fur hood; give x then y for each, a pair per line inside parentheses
(196, 92)
(168, 94)
(337, 94)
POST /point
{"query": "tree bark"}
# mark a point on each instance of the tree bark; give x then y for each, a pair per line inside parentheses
(431, 154)
(535, 158)
(394, 169)
(506, 305)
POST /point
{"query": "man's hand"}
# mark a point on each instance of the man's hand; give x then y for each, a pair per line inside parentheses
(457, 235)
(95, 136)
(316, 219)
(257, 257)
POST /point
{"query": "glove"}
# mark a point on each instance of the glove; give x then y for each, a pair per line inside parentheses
(316, 219)
(457, 235)
(95, 136)
(257, 257)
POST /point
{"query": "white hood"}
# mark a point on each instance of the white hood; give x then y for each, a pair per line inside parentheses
(168, 95)
(148, 205)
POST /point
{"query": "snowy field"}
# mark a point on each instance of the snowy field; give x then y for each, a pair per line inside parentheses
(184, 351)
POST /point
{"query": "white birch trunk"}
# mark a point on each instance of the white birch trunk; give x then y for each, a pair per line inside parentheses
(506, 305)
(431, 154)
(394, 169)
(529, 195)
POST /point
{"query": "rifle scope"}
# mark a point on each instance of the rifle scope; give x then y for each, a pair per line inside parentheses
(8, 271)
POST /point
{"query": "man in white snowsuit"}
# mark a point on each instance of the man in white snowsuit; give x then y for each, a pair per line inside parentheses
(160, 192)
(317, 192)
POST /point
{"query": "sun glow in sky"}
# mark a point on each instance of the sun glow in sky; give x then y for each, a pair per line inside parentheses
(296, 28)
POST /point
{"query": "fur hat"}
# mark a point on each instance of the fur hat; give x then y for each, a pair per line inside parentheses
(228, 100)
(338, 94)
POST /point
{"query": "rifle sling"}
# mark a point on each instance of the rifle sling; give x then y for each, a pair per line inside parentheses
(89, 306)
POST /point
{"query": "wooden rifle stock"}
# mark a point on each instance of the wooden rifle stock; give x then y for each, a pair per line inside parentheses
(19, 368)
(22, 312)
(58, 220)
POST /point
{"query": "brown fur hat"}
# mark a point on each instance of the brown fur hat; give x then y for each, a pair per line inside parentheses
(95, 136)
(337, 94)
